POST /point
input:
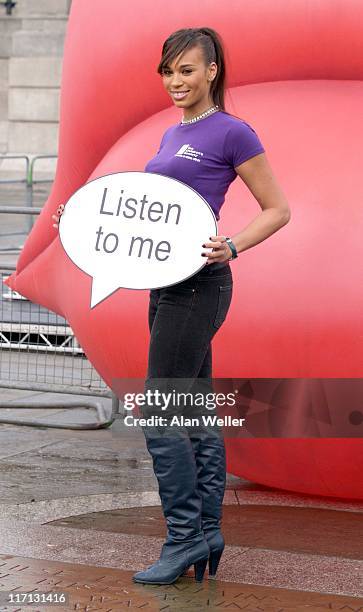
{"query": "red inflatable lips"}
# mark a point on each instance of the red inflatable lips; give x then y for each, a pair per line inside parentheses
(298, 299)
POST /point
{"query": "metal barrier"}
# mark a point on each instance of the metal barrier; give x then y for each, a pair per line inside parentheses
(39, 352)
(27, 167)
(27, 179)
(30, 174)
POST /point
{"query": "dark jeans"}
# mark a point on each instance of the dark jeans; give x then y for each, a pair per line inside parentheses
(183, 319)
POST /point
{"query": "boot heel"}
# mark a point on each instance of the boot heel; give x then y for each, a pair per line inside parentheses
(199, 569)
(214, 559)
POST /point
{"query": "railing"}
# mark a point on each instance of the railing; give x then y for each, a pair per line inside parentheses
(27, 169)
(27, 179)
(39, 351)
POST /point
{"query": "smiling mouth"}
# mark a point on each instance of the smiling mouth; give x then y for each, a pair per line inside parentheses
(179, 95)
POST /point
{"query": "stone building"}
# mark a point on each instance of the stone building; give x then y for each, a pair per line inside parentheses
(31, 50)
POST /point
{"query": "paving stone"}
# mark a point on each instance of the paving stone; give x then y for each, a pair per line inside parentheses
(103, 588)
(87, 488)
(79, 465)
(301, 530)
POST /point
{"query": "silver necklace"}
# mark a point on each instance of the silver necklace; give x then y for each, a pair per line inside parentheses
(201, 116)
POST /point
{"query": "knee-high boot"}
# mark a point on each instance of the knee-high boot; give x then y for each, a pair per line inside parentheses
(210, 459)
(176, 471)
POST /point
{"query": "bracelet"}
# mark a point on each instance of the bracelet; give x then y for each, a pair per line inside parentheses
(233, 249)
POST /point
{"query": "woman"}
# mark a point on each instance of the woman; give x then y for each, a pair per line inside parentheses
(206, 150)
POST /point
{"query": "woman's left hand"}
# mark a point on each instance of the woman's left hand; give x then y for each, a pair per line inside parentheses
(221, 251)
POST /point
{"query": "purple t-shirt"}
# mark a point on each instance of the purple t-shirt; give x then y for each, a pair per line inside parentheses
(204, 154)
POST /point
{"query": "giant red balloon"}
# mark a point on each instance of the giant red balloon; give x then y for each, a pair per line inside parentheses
(295, 74)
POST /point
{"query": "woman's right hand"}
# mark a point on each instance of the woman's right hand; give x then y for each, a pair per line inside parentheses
(58, 215)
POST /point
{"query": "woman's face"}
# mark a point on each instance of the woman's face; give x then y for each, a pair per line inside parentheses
(188, 73)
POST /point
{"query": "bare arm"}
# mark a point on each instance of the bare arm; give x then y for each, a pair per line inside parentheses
(257, 174)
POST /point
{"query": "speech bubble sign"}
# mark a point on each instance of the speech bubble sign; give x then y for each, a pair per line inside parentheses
(136, 230)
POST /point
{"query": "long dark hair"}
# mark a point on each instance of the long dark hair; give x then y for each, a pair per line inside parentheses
(213, 51)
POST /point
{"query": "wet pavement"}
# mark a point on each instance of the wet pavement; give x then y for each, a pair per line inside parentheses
(79, 510)
(299, 530)
(90, 588)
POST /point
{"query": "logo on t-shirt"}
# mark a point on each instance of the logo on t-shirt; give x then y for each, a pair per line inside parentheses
(188, 152)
